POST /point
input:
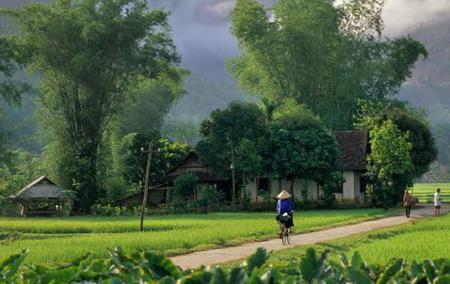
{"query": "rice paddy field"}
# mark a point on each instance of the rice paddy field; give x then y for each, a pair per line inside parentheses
(425, 191)
(425, 239)
(59, 240)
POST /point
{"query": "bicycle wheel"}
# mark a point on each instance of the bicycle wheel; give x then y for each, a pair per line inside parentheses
(284, 235)
(288, 236)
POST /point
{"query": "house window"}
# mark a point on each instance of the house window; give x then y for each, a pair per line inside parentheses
(264, 185)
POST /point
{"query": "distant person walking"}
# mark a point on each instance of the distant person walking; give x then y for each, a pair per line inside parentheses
(437, 202)
(407, 202)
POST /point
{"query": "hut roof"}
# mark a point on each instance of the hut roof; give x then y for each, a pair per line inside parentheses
(192, 164)
(43, 188)
(354, 147)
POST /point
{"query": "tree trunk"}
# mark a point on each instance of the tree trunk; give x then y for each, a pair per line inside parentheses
(84, 175)
(256, 186)
(318, 190)
(233, 178)
(305, 190)
(292, 188)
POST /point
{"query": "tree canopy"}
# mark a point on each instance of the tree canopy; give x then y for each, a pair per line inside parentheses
(231, 137)
(389, 162)
(89, 52)
(323, 55)
(301, 146)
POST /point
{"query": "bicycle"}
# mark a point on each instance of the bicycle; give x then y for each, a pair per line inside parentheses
(284, 230)
(285, 234)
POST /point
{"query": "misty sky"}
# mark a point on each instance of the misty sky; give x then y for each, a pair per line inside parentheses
(201, 28)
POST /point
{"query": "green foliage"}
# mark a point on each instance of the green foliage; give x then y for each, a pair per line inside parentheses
(184, 187)
(108, 210)
(390, 153)
(408, 120)
(11, 89)
(10, 63)
(321, 54)
(246, 201)
(423, 151)
(441, 132)
(210, 198)
(301, 146)
(122, 164)
(184, 131)
(149, 267)
(331, 184)
(390, 158)
(22, 169)
(166, 155)
(84, 79)
(147, 103)
(407, 124)
(46, 238)
(234, 136)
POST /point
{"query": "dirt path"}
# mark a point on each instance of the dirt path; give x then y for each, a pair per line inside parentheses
(221, 255)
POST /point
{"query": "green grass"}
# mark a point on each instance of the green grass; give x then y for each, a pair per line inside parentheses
(419, 240)
(425, 191)
(58, 240)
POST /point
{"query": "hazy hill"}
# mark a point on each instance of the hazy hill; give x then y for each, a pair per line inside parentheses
(201, 30)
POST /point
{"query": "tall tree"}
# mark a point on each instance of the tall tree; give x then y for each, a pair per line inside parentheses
(228, 134)
(147, 105)
(89, 52)
(301, 146)
(323, 55)
(11, 89)
(372, 114)
(388, 162)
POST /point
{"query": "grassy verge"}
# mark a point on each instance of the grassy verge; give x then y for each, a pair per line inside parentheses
(419, 240)
(58, 240)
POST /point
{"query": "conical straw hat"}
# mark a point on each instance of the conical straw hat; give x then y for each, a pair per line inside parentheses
(284, 195)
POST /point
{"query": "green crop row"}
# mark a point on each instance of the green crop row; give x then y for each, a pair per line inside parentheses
(147, 267)
(415, 241)
(58, 240)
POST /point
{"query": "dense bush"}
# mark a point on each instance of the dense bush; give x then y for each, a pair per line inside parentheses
(184, 187)
(108, 210)
(7, 208)
(211, 199)
(147, 267)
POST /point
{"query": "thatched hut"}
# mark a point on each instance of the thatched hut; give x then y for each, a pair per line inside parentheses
(43, 197)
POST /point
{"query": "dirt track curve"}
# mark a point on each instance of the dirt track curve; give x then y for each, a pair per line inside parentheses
(222, 255)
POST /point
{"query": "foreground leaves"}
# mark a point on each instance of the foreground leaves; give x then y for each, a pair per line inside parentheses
(147, 267)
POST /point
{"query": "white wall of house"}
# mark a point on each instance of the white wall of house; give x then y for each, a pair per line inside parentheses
(351, 187)
(275, 187)
(350, 192)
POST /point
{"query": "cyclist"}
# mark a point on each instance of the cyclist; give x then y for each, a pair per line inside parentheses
(285, 205)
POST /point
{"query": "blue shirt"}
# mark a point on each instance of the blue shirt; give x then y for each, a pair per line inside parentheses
(284, 206)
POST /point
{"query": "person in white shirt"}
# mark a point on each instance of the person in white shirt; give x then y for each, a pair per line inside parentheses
(437, 202)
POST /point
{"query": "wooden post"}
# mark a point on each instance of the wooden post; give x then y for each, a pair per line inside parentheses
(147, 174)
(233, 178)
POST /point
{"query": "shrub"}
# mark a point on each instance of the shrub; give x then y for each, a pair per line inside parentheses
(184, 187)
(108, 210)
(7, 208)
(246, 202)
(210, 199)
(147, 267)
